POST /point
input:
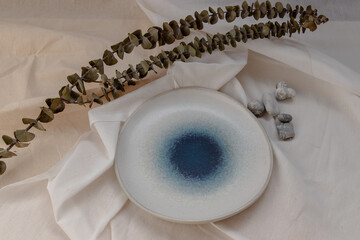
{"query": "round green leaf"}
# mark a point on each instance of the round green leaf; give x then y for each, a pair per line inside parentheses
(2, 167)
(146, 44)
(21, 144)
(220, 13)
(204, 16)
(8, 140)
(109, 59)
(6, 154)
(46, 115)
(98, 64)
(115, 93)
(57, 105)
(24, 136)
(73, 78)
(134, 40)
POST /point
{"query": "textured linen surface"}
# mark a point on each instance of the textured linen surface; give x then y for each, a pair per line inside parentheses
(55, 191)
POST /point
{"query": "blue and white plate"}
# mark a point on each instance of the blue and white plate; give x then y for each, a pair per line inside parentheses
(193, 155)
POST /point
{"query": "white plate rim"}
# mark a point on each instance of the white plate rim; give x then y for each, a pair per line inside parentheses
(245, 206)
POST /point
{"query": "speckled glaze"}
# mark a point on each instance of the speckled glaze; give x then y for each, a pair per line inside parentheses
(193, 155)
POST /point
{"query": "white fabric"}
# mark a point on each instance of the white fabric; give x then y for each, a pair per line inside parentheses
(313, 192)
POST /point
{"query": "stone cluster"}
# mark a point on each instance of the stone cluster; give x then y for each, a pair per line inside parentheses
(269, 104)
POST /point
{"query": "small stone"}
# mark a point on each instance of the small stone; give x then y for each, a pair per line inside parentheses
(290, 92)
(281, 84)
(284, 117)
(256, 107)
(270, 103)
(285, 131)
(281, 94)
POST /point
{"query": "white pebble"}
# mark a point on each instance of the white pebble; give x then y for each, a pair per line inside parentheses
(270, 103)
(281, 94)
(281, 84)
(256, 107)
(284, 117)
(285, 130)
(290, 92)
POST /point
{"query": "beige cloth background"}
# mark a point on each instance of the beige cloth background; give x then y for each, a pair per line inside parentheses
(313, 193)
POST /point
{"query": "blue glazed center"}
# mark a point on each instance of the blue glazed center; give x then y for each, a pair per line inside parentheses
(195, 155)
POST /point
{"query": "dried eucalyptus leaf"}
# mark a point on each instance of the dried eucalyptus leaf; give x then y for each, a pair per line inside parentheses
(145, 66)
(104, 77)
(146, 44)
(98, 64)
(167, 27)
(6, 154)
(271, 13)
(232, 33)
(80, 100)
(89, 74)
(263, 9)
(97, 99)
(168, 37)
(21, 144)
(310, 25)
(2, 167)
(131, 82)
(108, 58)
(166, 63)
(8, 140)
(233, 43)
(118, 74)
(73, 78)
(213, 19)
(65, 92)
(230, 16)
(80, 86)
(257, 14)
(119, 49)
(199, 23)
(126, 75)
(23, 136)
(185, 30)
(134, 73)
(245, 5)
(279, 7)
(117, 46)
(133, 39)
(73, 96)
(176, 29)
(266, 30)
(105, 93)
(115, 93)
(204, 16)
(191, 21)
(192, 51)
(57, 105)
(39, 126)
(28, 121)
(244, 34)
(118, 85)
(156, 61)
(120, 53)
(46, 115)
(154, 33)
(268, 5)
(221, 46)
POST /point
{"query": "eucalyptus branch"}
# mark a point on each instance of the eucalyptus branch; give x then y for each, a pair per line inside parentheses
(175, 31)
(308, 19)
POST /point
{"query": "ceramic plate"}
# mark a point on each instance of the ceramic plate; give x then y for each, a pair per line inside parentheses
(193, 155)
